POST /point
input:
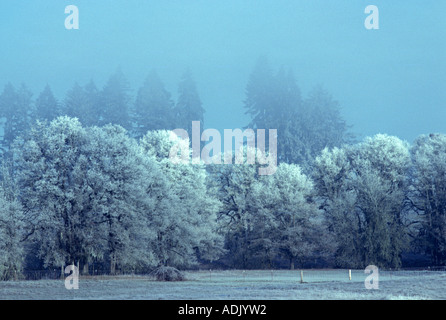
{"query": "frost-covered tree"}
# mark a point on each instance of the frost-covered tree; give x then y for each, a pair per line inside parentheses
(84, 194)
(185, 219)
(332, 175)
(287, 221)
(124, 182)
(362, 190)
(233, 185)
(268, 218)
(49, 171)
(428, 196)
(11, 236)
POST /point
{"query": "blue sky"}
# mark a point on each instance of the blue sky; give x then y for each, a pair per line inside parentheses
(391, 80)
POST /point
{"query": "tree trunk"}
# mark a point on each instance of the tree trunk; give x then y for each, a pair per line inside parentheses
(112, 264)
(85, 269)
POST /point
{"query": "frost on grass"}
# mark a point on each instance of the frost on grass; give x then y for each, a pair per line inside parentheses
(168, 274)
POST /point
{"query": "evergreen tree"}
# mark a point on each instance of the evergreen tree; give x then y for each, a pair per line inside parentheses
(115, 101)
(84, 104)
(259, 102)
(74, 102)
(8, 103)
(316, 125)
(189, 107)
(304, 126)
(47, 107)
(91, 109)
(154, 108)
(15, 107)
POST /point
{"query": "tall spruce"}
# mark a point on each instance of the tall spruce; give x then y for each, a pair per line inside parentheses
(154, 108)
(115, 101)
(189, 107)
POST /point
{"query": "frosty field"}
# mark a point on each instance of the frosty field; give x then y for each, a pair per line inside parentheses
(240, 285)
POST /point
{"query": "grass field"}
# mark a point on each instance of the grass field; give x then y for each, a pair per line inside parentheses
(240, 285)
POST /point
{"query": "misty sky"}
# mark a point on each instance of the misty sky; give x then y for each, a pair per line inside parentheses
(391, 80)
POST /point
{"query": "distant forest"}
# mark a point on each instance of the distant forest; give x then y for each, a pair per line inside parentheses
(87, 180)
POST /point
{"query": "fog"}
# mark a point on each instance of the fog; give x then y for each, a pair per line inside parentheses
(390, 80)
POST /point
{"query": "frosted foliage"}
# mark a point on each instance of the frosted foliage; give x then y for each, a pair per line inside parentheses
(83, 192)
(361, 189)
(285, 199)
(429, 193)
(387, 154)
(11, 233)
(331, 170)
(186, 217)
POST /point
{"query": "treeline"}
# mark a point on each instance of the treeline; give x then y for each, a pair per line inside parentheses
(151, 109)
(89, 181)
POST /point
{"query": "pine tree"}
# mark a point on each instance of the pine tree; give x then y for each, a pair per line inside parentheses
(259, 102)
(47, 107)
(189, 107)
(154, 108)
(74, 101)
(16, 108)
(8, 103)
(91, 108)
(304, 126)
(84, 104)
(115, 101)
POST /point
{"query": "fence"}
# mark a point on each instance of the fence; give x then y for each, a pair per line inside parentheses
(305, 275)
(298, 275)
